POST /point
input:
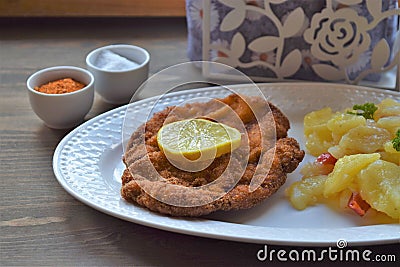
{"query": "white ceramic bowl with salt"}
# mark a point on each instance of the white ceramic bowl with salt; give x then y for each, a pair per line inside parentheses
(119, 70)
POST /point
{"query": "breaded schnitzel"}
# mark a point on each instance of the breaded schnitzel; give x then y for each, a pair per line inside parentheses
(267, 153)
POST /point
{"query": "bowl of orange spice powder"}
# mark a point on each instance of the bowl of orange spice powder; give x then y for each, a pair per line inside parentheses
(61, 96)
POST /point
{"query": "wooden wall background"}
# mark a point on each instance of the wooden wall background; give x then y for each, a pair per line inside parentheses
(92, 8)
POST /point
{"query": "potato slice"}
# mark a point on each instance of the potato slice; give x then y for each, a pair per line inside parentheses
(345, 171)
(391, 157)
(363, 139)
(391, 123)
(390, 154)
(317, 118)
(341, 123)
(380, 186)
(306, 192)
(388, 107)
(319, 142)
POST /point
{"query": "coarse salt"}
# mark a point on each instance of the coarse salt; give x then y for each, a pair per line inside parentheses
(108, 60)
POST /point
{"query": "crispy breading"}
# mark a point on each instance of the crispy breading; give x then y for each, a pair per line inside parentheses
(270, 155)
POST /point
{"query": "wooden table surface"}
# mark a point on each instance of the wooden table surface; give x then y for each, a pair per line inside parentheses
(41, 224)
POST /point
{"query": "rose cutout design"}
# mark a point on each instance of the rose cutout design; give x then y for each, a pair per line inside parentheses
(338, 36)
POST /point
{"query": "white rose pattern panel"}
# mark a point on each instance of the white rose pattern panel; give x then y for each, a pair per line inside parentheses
(321, 40)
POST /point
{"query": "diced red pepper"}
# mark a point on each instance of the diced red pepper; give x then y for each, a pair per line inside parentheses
(357, 204)
(326, 158)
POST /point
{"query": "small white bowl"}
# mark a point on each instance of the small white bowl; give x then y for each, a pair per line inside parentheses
(61, 111)
(118, 86)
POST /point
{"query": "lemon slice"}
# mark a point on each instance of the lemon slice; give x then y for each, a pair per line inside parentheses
(197, 139)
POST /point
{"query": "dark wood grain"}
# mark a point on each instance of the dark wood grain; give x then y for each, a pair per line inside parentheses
(41, 224)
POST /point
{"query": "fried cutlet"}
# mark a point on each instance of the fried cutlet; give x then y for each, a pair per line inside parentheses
(270, 155)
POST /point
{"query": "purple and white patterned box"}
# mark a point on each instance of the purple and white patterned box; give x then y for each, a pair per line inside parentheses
(314, 40)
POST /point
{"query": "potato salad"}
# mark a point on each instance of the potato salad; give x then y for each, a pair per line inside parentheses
(357, 164)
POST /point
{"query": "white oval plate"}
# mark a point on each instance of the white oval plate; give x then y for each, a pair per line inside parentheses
(87, 163)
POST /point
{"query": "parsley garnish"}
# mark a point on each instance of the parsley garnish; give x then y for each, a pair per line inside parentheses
(367, 110)
(396, 141)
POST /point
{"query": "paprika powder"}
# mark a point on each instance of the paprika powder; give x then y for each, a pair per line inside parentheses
(62, 86)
